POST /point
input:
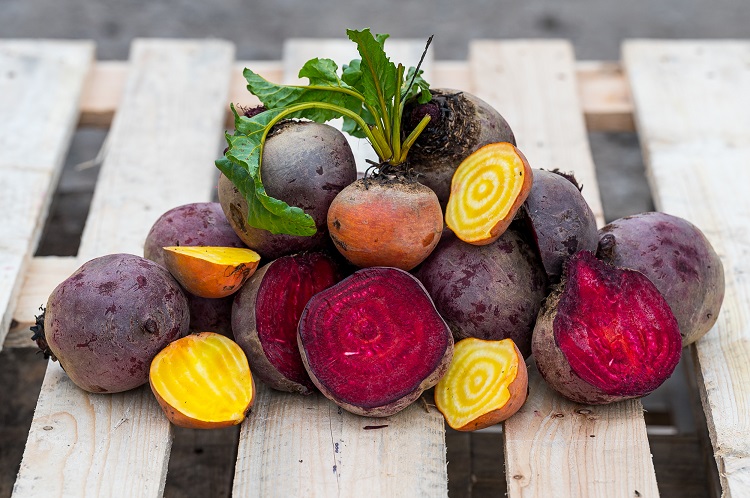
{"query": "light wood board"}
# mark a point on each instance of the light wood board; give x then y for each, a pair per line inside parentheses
(40, 86)
(554, 447)
(692, 110)
(162, 145)
(306, 446)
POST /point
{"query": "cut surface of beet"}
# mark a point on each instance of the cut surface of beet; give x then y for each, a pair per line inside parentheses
(374, 339)
(287, 286)
(615, 329)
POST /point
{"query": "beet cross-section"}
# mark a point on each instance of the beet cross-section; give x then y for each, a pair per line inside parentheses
(605, 334)
(266, 311)
(374, 342)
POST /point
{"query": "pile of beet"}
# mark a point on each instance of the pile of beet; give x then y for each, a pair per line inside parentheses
(360, 289)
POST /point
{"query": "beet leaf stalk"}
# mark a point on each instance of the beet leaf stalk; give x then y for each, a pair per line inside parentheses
(370, 94)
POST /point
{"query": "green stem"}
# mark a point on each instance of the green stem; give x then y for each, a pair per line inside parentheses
(413, 138)
(382, 150)
(396, 116)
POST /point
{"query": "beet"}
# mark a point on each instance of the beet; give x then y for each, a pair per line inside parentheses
(305, 164)
(559, 218)
(605, 334)
(374, 342)
(196, 224)
(460, 124)
(210, 315)
(266, 311)
(107, 321)
(490, 292)
(676, 256)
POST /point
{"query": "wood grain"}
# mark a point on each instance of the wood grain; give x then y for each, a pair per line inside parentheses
(555, 447)
(163, 141)
(693, 117)
(40, 86)
(604, 92)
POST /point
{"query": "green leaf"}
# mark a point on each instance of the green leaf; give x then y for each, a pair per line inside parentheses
(419, 88)
(325, 86)
(378, 78)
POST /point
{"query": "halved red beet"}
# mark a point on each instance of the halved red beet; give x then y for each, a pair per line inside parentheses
(374, 342)
(605, 334)
(265, 313)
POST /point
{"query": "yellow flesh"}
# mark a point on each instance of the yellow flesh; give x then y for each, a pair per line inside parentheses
(233, 256)
(205, 377)
(477, 380)
(483, 191)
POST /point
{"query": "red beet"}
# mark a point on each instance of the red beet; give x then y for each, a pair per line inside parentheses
(210, 315)
(605, 334)
(196, 224)
(490, 292)
(266, 311)
(374, 342)
(561, 221)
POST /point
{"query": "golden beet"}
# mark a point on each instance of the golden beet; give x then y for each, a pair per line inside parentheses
(211, 272)
(487, 189)
(203, 381)
(385, 222)
(486, 383)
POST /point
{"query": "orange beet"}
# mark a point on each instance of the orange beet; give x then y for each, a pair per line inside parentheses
(486, 383)
(203, 381)
(385, 222)
(487, 189)
(211, 272)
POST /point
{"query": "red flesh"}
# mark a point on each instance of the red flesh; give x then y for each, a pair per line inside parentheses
(287, 286)
(373, 338)
(615, 328)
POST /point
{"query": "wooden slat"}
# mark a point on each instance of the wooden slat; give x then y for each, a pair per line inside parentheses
(40, 86)
(164, 139)
(693, 117)
(605, 96)
(42, 276)
(306, 446)
(555, 447)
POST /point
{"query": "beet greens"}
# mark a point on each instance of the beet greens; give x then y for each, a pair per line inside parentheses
(370, 94)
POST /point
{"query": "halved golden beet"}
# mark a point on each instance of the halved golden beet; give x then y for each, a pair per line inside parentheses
(487, 189)
(486, 383)
(211, 272)
(203, 381)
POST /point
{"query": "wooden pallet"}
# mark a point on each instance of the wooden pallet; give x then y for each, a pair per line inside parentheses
(167, 108)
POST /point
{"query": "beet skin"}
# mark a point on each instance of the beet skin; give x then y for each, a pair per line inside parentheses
(605, 334)
(561, 221)
(107, 321)
(374, 342)
(490, 292)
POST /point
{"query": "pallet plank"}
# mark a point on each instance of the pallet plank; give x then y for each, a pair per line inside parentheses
(555, 447)
(42, 276)
(162, 145)
(693, 116)
(306, 446)
(40, 87)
